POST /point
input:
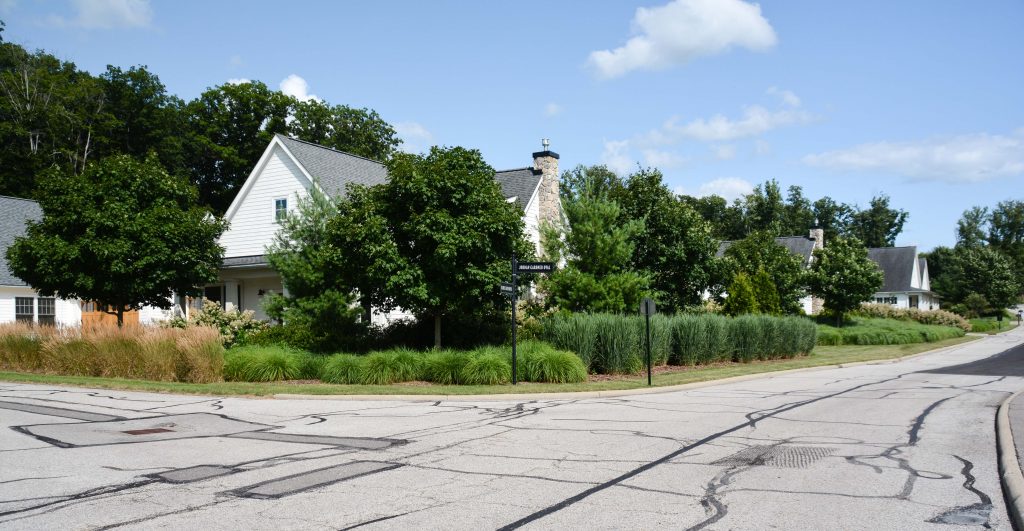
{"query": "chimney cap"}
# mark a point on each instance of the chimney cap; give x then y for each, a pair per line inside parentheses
(547, 152)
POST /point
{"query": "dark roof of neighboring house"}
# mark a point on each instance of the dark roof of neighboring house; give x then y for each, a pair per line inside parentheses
(798, 245)
(334, 169)
(14, 212)
(897, 264)
(519, 183)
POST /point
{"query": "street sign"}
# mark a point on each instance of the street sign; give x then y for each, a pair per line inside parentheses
(507, 288)
(535, 267)
(647, 307)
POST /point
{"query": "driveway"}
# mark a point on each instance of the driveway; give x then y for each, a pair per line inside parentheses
(906, 445)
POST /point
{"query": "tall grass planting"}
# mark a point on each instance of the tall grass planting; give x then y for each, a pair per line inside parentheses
(541, 362)
(617, 342)
(932, 317)
(137, 352)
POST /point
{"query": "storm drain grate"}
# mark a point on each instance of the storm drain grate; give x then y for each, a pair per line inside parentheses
(147, 431)
(776, 456)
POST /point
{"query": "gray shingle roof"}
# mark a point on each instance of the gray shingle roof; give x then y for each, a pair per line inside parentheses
(897, 264)
(798, 245)
(335, 169)
(14, 213)
(519, 183)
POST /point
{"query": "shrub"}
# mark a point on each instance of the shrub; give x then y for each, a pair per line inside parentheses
(931, 317)
(232, 324)
(263, 364)
(311, 366)
(866, 331)
(487, 368)
(445, 367)
(343, 369)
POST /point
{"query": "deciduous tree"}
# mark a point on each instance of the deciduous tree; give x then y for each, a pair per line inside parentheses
(124, 234)
(844, 276)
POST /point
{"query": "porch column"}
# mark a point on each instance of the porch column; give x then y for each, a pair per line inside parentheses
(231, 295)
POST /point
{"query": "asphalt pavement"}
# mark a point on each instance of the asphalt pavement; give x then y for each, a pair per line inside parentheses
(907, 445)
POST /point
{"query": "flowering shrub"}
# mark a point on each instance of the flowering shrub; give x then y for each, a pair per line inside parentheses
(933, 317)
(233, 325)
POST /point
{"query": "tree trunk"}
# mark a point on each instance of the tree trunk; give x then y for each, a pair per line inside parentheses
(437, 331)
(839, 320)
(120, 316)
(367, 312)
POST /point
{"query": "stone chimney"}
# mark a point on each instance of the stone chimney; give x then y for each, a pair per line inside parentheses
(818, 235)
(550, 205)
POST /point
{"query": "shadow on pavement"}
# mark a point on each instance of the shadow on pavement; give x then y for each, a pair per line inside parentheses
(1006, 363)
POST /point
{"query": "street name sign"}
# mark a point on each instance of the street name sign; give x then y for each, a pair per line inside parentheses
(535, 267)
(507, 288)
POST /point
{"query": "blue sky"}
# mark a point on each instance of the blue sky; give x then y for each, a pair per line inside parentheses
(920, 100)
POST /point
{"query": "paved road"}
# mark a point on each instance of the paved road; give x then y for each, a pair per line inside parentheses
(906, 445)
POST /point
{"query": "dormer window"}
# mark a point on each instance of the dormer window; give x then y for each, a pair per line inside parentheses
(280, 209)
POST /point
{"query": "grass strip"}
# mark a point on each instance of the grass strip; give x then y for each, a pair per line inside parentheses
(822, 356)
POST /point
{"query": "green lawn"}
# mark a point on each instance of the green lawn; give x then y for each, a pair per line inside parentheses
(823, 355)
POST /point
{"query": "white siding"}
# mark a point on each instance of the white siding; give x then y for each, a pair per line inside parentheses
(251, 298)
(252, 225)
(531, 218)
(68, 312)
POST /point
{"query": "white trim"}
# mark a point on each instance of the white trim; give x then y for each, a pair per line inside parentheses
(533, 197)
(258, 169)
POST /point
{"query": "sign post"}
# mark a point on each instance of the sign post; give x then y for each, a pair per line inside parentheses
(647, 310)
(512, 289)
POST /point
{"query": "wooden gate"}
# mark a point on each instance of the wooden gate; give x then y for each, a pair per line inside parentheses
(93, 316)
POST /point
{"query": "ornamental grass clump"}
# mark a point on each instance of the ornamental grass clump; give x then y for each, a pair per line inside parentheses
(263, 364)
(487, 368)
(745, 333)
(343, 369)
(445, 367)
(574, 332)
(21, 346)
(865, 331)
(392, 366)
(618, 344)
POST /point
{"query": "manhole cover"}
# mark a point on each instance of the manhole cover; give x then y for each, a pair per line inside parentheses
(777, 456)
(147, 431)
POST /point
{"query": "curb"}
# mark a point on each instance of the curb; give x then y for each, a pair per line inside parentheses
(1010, 474)
(600, 394)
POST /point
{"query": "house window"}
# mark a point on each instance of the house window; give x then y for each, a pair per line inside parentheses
(47, 311)
(23, 309)
(280, 210)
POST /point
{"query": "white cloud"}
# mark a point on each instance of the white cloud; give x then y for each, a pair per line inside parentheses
(239, 81)
(107, 14)
(616, 156)
(729, 188)
(681, 30)
(762, 147)
(787, 96)
(552, 109)
(756, 120)
(724, 151)
(965, 158)
(415, 137)
(297, 87)
(662, 159)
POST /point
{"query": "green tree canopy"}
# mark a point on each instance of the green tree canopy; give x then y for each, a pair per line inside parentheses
(358, 131)
(981, 270)
(760, 252)
(597, 247)
(741, 298)
(844, 276)
(879, 224)
(124, 234)
(1006, 233)
(444, 236)
(675, 249)
(766, 294)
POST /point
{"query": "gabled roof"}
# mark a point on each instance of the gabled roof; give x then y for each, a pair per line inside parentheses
(14, 212)
(519, 183)
(897, 264)
(334, 169)
(798, 245)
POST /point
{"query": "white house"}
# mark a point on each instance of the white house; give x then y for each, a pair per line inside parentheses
(18, 301)
(285, 173)
(906, 283)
